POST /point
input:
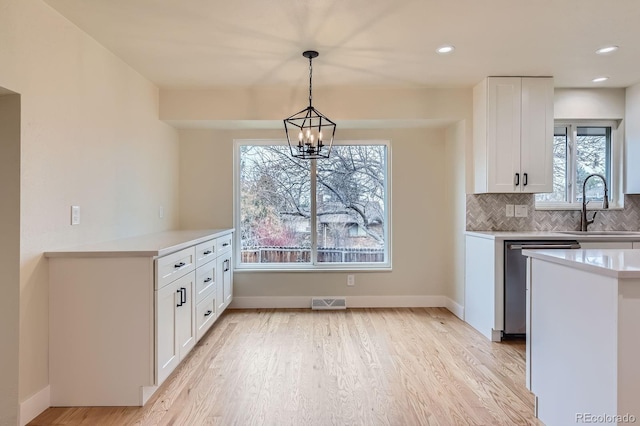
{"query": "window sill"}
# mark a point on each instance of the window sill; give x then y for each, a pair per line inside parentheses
(307, 268)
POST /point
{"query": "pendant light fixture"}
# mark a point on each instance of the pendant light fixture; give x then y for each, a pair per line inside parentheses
(311, 131)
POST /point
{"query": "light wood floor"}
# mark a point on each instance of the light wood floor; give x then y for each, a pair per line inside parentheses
(354, 367)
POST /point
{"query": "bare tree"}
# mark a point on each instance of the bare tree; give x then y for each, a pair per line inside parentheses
(276, 193)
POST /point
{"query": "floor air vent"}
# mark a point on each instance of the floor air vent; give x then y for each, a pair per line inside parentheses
(324, 303)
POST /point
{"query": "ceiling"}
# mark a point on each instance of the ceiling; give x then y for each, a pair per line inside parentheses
(213, 43)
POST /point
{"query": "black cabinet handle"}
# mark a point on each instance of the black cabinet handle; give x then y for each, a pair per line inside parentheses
(226, 265)
(225, 244)
(207, 252)
(184, 292)
(517, 180)
(179, 291)
(525, 179)
(208, 280)
(209, 312)
(179, 265)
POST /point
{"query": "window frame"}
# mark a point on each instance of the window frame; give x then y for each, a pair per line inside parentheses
(615, 186)
(313, 265)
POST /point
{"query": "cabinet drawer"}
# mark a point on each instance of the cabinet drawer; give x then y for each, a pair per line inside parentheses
(224, 244)
(205, 280)
(174, 266)
(205, 315)
(205, 252)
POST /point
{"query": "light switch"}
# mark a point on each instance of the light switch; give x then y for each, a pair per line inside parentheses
(75, 215)
(509, 211)
(521, 210)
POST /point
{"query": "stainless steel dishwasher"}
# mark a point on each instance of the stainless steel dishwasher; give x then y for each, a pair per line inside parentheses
(515, 280)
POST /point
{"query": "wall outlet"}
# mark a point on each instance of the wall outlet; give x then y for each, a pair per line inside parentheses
(75, 215)
(351, 280)
(522, 210)
(509, 211)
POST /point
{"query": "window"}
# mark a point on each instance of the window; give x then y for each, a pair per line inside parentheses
(324, 214)
(580, 149)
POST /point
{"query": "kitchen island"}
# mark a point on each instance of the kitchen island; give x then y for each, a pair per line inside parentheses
(583, 345)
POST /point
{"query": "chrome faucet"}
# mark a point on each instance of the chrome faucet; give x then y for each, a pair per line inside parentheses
(584, 222)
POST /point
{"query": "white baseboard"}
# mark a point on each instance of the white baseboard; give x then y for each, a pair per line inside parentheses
(455, 308)
(34, 406)
(302, 302)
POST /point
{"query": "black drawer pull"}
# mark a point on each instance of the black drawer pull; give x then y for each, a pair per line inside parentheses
(526, 179)
(209, 312)
(179, 265)
(181, 303)
(208, 280)
(517, 179)
(183, 292)
(225, 244)
(226, 265)
(207, 252)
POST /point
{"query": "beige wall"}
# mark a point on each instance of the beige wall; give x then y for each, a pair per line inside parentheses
(420, 212)
(9, 255)
(344, 104)
(456, 146)
(599, 104)
(90, 136)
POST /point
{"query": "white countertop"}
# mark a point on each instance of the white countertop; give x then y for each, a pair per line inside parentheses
(615, 263)
(554, 235)
(149, 245)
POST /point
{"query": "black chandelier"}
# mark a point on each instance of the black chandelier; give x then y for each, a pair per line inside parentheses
(311, 127)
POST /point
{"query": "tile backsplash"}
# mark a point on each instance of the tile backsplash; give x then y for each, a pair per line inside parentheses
(486, 212)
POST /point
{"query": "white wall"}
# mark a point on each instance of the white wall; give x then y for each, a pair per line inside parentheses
(90, 136)
(632, 146)
(9, 255)
(420, 216)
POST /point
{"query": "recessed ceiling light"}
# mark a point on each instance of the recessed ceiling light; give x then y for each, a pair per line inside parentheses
(607, 49)
(445, 49)
(600, 79)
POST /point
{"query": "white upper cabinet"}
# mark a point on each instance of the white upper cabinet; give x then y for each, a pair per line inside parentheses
(513, 134)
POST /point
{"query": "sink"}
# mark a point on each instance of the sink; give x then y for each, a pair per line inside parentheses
(600, 232)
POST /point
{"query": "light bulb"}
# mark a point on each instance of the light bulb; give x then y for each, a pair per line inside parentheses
(320, 136)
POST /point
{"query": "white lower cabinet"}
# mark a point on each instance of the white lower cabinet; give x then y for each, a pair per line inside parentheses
(121, 320)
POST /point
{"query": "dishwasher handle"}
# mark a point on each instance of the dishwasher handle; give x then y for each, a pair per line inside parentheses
(544, 246)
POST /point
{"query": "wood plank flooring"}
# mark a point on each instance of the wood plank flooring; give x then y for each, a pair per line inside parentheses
(418, 366)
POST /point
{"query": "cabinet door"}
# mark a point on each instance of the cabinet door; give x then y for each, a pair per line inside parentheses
(167, 348)
(503, 134)
(220, 284)
(227, 282)
(536, 144)
(185, 314)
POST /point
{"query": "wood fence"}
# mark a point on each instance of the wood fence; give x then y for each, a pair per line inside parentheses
(302, 254)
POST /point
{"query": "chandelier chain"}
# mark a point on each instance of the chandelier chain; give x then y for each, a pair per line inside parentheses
(310, 75)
